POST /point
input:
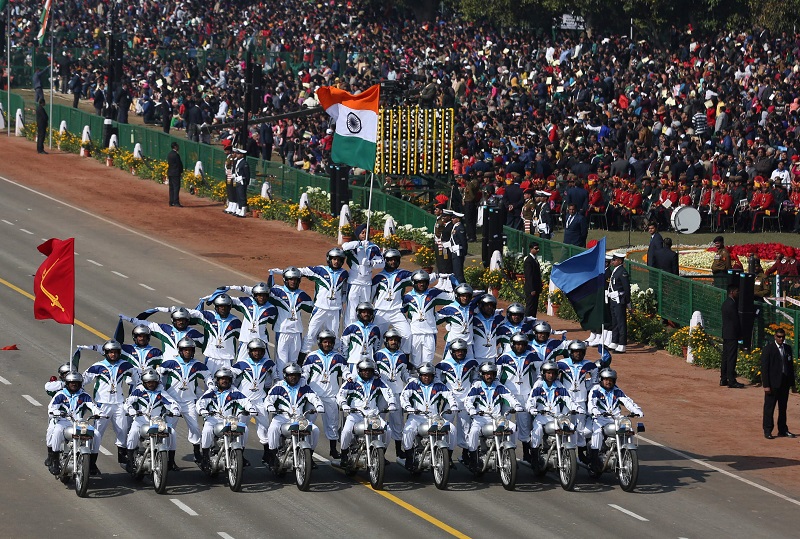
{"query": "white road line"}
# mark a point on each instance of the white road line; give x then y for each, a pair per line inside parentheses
(8, 222)
(720, 470)
(90, 261)
(4, 381)
(129, 230)
(145, 286)
(174, 300)
(119, 274)
(26, 231)
(224, 535)
(31, 400)
(321, 460)
(105, 451)
(183, 507)
(629, 513)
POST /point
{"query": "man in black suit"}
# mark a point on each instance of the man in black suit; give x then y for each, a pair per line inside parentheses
(42, 119)
(777, 377)
(576, 227)
(513, 201)
(665, 258)
(165, 108)
(577, 195)
(656, 242)
(533, 281)
(731, 334)
(174, 173)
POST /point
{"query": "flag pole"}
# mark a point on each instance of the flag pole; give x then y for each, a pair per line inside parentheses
(71, 341)
(8, 66)
(50, 118)
(369, 204)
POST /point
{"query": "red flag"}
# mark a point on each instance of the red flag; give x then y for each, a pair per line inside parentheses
(54, 283)
(10, 347)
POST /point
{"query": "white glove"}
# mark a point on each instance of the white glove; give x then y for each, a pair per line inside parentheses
(345, 409)
(320, 410)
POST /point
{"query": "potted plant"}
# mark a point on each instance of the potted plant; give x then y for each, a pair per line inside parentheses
(492, 280)
(425, 258)
(346, 231)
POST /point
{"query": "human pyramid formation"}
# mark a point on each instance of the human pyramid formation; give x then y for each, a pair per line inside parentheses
(493, 362)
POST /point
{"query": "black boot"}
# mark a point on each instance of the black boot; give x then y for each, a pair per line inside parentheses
(345, 453)
(171, 466)
(122, 455)
(465, 457)
(452, 464)
(55, 463)
(265, 455)
(334, 452)
(593, 456)
(301, 358)
(93, 469)
(49, 460)
(206, 463)
(198, 456)
(583, 455)
(526, 451)
(130, 464)
(398, 449)
(269, 456)
(409, 459)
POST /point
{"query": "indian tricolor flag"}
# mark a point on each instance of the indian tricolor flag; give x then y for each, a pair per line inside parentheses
(356, 117)
(45, 20)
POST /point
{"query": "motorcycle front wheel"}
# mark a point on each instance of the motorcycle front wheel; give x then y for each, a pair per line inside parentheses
(568, 471)
(235, 470)
(441, 468)
(302, 469)
(376, 468)
(628, 470)
(160, 472)
(82, 474)
(508, 468)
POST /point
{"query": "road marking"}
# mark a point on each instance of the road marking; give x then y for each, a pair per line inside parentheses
(321, 460)
(8, 222)
(720, 470)
(629, 513)
(119, 274)
(183, 507)
(4, 381)
(26, 231)
(224, 535)
(145, 286)
(174, 300)
(105, 451)
(90, 261)
(31, 400)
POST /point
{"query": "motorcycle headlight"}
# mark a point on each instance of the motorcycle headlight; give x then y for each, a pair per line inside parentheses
(161, 424)
(303, 424)
(564, 423)
(81, 427)
(500, 423)
(232, 422)
(625, 425)
(437, 421)
(374, 423)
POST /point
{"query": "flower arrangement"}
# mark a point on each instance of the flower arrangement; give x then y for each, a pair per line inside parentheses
(677, 341)
(492, 279)
(346, 230)
(748, 365)
(644, 301)
(298, 213)
(474, 276)
(191, 182)
(786, 327)
(512, 291)
(557, 297)
(424, 257)
(392, 242)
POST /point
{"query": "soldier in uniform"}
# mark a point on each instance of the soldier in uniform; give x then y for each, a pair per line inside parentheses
(442, 235)
(230, 165)
(458, 247)
(619, 295)
(529, 212)
(241, 179)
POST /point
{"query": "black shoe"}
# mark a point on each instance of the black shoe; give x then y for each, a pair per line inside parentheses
(452, 464)
(178, 205)
(769, 436)
(171, 204)
(198, 456)
(344, 457)
(335, 454)
(122, 455)
(736, 385)
(723, 383)
(55, 465)
(93, 469)
(786, 434)
(245, 462)
(44, 152)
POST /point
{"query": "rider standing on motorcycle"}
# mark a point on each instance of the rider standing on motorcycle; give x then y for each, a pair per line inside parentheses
(458, 316)
(254, 374)
(604, 405)
(360, 340)
(388, 288)
(256, 311)
(579, 376)
(108, 375)
(421, 397)
(514, 323)
(70, 401)
(419, 306)
(548, 395)
(458, 373)
(52, 387)
(290, 301)
(324, 369)
(485, 398)
(149, 399)
(547, 348)
(392, 366)
(140, 354)
(330, 286)
(287, 398)
(169, 334)
(485, 326)
(222, 329)
(362, 256)
(366, 392)
(219, 402)
(184, 378)
(519, 370)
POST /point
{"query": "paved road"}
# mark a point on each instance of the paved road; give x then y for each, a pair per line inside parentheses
(119, 270)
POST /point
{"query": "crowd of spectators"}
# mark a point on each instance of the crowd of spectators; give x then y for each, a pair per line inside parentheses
(677, 111)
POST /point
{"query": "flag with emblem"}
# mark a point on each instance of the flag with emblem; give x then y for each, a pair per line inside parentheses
(582, 280)
(45, 21)
(356, 118)
(54, 282)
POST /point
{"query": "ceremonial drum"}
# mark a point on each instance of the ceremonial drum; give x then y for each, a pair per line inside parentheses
(686, 220)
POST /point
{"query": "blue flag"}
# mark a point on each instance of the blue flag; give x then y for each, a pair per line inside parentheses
(582, 280)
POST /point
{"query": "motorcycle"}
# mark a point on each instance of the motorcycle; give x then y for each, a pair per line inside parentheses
(558, 451)
(430, 450)
(295, 452)
(619, 451)
(227, 454)
(497, 451)
(368, 449)
(152, 453)
(77, 453)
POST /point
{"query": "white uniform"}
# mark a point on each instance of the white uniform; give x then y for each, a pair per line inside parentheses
(418, 398)
(168, 334)
(255, 378)
(330, 288)
(288, 324)
(602, 401)
(108, 379)
(578, 378)
(323, 373)
(362, 257)
(368, 395)
(223, 335)
(74, 405)
(388, 289)
(52, 387)
(547, 398)
(458, 376)
(184, 381)
(255, 319)
(359, 342)
(491, 399)
(284, 401)
(518, 373)
(420, 310)
(393, 370)
(484, 336)
(154, 403)
(230, 402)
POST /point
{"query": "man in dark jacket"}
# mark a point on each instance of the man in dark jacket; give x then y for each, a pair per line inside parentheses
(665, 258)
(533, 281)
(576, 227)
(731, 334)
(42, 119)
(656, 243)
(777, 377)
(513, 201)
(174, 173)
(165, 109)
